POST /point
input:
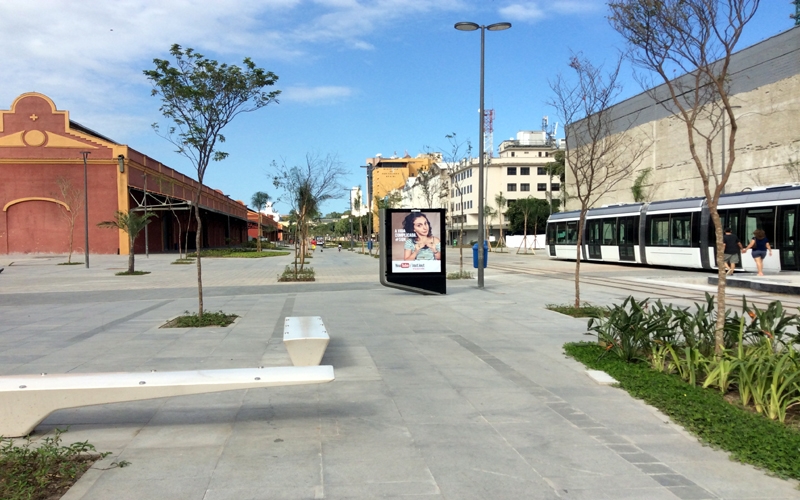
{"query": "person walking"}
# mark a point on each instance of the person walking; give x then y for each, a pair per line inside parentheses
(732, 250)
(760, 245)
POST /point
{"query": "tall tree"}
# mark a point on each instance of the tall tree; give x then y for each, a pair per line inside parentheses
(697, 38)
(131, 223)
(201, 97)
(598, 155)
(259, 201)
(305, 188)
(357, 208)
(73, 198)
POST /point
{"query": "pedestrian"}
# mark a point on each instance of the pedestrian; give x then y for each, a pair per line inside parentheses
(760, 245)
(733, 247)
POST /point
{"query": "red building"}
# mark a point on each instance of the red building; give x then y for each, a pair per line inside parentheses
(40, 148)
(270, 229)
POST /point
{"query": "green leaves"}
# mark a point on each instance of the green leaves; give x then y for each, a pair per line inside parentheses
(201, 96)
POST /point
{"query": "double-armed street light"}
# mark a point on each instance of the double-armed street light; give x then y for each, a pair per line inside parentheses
(466, 26)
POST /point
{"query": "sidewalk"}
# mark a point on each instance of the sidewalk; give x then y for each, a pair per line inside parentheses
(462, 396)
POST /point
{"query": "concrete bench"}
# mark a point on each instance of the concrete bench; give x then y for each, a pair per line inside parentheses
(26, 400)
(305, 338)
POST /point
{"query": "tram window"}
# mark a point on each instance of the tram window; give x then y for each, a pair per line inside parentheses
(680, 235)
(551, 234)
(609, 226)
(572, 233)
(759, 218)
(561, 233)
(628, 231)
(658, 231)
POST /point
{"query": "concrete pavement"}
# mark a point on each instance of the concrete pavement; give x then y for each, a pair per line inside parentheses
(462, 396)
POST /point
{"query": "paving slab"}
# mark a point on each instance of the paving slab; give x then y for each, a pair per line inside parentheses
(462, 396)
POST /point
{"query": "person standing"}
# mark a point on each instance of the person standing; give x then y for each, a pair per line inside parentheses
(732, 250)
(760, 245)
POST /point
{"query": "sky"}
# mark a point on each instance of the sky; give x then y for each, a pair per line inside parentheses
(357, 77)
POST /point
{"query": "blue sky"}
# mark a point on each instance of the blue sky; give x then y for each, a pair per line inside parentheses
(359, 77)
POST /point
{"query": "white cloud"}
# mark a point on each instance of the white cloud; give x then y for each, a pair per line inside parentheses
(311, 95)
(529, 11)
(522, 12)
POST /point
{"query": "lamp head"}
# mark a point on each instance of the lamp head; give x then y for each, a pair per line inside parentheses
(121, 161)
(466, 26)
(498, 26)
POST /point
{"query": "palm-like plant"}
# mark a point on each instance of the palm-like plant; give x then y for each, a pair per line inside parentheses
(259, 201)
(131, 223)
(501, 201)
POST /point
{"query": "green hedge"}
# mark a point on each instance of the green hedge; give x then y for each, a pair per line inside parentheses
(749, 437)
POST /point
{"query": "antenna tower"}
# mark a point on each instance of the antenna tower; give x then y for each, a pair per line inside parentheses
(488, 132)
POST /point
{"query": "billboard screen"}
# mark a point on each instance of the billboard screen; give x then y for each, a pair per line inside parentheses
(416, 245)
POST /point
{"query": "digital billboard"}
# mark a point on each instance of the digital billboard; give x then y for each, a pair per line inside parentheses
(416, 243)
(413, 250)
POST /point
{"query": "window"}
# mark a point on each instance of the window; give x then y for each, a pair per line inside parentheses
(511, 187)
(542, 186)
(512, 154)
(524, 187)
(540, 154)
(680, 231)
(555, 187)
(572, 233)
(759, 218)
(525, 171)
(541, 171)
(511, 170)
(609, 228)
(658, 231)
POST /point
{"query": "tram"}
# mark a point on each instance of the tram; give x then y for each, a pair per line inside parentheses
(680, 233)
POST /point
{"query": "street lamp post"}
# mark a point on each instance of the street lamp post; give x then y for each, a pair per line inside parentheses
(85, 209)
(466, 26)
(350, 191)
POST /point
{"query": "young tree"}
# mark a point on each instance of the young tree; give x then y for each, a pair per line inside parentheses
(501, 208)
(357, 208)
(131, 223)
(598, 155)
(259, 201)
(201, 97)
(489, 214)
(697, 38)
(73, 198)
(460, 154)
(305, 188)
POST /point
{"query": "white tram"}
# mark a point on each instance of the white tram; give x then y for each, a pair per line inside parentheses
(679, 233)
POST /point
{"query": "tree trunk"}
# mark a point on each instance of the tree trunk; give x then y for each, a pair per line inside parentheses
(719, 327)
(581, 222)
(71, 240)
(197, 241)
(524, 234)
(130, 254)
(259, 231)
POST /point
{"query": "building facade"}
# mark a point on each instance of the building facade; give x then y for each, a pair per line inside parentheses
(40, 148)
(765, 94)
(519, 171)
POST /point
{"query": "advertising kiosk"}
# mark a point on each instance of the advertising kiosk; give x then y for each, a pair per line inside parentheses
(412, 248)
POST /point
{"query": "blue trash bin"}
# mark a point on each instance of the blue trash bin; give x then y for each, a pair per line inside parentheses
(475, 254)
(369, 245)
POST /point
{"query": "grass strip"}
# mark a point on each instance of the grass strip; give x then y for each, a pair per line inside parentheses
(191, 320)
(241, 253)
(749, 437)
(584, 311)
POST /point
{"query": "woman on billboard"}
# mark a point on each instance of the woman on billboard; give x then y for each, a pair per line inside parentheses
(423, 245)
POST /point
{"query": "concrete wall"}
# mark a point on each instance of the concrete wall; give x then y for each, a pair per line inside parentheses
(765, 81)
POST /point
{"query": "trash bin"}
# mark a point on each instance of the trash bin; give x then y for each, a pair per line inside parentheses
(475, 254)
(369, 245)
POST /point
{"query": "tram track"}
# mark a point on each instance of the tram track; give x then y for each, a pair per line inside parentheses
(658, 290)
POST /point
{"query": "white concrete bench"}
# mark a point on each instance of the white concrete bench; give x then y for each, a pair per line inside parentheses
(306, 339)
(26, 400)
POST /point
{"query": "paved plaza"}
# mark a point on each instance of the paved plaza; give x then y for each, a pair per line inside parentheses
(463, 396)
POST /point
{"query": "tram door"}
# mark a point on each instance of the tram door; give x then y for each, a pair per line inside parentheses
(626, 236)
(594, 239)
(787, 241)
